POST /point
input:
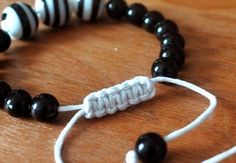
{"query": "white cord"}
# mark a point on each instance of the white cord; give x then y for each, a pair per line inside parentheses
(61, 139)
(116, 98)
(120, 97)
(198, 120)
(221, 156)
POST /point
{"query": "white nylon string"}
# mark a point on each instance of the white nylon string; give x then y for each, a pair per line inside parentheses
(221, 156)
(119, 98)
(198, 120)
(61, 139)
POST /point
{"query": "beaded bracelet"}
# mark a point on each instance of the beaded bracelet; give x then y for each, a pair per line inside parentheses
(20, 21)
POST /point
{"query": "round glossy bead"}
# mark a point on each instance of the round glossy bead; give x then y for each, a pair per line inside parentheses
(165, 67)
(172, 39)
(151, 148)
(116, 9)
(53, 13)
(19, 20)
(165, 26)
(17, 103)
(175, 53)
(135, 14)
(44, 107)
(5, 41)
(89, 10)
(151, 19)
(4, 90)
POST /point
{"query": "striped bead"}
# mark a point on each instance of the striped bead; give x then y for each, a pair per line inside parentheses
(88, 10)
(19, 20)
(53, 13)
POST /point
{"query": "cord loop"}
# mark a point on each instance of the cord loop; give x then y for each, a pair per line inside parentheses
(121, 96)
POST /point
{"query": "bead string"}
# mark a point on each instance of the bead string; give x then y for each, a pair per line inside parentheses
(19, 21)
(136, 87)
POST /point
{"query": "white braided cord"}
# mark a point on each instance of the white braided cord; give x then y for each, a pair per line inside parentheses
(120, 97)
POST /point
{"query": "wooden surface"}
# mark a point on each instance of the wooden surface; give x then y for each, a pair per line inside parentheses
(80, 58)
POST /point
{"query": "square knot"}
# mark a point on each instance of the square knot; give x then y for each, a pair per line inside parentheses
(118, 97)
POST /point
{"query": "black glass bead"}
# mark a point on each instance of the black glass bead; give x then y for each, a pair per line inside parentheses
(17, 103)
(175, 53)
(4, 90)
(165, 26)
(44, 107)
(135, 14)
(172, 39)
(5, 41)
(151, 19)
(116, 9)
(151, 148)
(165, 67)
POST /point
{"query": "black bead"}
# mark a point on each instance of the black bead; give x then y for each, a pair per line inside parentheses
(4, 90)
(44, 107)
(17, 103)
(151, 19)
(165, 67)
(135, 14)
(172, 39)
(5, 41)
(151, 148)
(175, 53)
(116, 9)
(165, 26)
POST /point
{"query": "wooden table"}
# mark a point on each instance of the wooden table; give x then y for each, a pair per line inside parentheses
(75, 60)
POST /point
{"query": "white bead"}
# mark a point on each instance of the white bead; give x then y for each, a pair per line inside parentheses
(88, 10)
(13, 28)
(54, 13)
(19, 21)
(131, 157)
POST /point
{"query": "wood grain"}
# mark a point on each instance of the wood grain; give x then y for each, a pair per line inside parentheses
(80, 58)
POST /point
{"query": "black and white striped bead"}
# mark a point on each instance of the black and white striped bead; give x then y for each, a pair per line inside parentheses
(88, 10)
(53, 13)
(19, 20)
